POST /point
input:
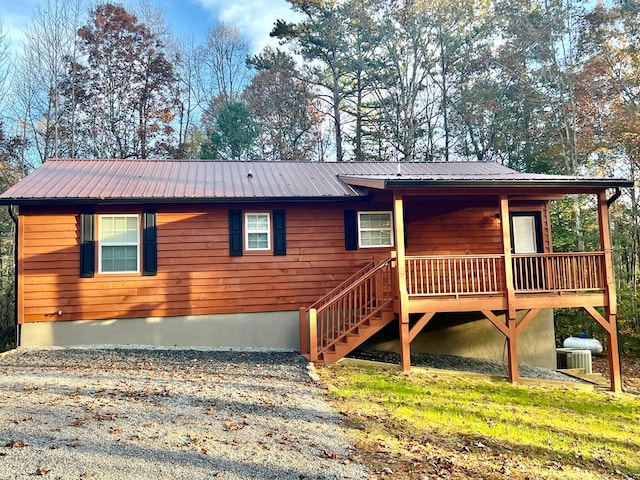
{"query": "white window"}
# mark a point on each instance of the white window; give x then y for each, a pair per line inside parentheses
(375, 229)
(119, 243)
(257, 231)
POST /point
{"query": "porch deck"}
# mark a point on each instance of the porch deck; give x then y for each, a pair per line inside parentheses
(453, 283)
(508, 288)
(372, 298)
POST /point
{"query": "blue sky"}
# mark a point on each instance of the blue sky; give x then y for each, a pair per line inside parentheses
(254, 18)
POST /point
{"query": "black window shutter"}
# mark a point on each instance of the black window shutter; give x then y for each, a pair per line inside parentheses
(235, 233)
(149, 243)
(350, 230)
(87, 245)
(279, 233)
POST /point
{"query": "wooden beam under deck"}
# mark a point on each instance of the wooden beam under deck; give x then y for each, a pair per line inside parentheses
(464, 304)
(421, 304)
(420, 324)
(565, 300)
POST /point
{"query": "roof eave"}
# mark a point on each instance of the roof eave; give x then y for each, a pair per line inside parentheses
(570, 186)
(173, 201)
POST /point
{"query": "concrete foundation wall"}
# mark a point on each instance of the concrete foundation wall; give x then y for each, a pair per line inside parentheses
(267, 331)
(451, 334)
(467, 336)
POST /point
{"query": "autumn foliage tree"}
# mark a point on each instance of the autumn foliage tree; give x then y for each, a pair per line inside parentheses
(284, 107)
(125, 88)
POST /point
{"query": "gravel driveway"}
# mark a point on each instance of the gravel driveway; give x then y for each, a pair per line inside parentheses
(167, 414)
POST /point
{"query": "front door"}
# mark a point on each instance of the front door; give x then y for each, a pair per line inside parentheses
(526, 239)
(525, 229)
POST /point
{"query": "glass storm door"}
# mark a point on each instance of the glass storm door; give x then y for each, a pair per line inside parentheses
(525, 228)
(529, 271)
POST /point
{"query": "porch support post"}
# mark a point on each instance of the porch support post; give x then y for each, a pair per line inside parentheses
(611, 309)
(615, 376)
(304, 331)
(401, 268)
(512, 331)
(313, 335)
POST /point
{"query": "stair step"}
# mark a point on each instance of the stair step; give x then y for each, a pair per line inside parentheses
(351, 341)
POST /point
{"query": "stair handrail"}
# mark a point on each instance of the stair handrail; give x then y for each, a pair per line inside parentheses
(385, 301)
(357, 281)
(308, 315)
(343, 286)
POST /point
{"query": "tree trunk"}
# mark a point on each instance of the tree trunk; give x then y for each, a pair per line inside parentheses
(358, 133)
(445, 96)
(336, 117)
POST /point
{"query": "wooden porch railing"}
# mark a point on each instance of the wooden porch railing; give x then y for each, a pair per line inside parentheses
(345, 308)
(455, 275)
(559, 272)
(353, 303)
(459, 275)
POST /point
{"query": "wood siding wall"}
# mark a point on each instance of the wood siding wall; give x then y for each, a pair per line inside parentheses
(196, 275)
(463, 225)
(450, 226)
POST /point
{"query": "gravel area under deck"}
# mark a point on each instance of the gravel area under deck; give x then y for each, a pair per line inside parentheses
(464, 364)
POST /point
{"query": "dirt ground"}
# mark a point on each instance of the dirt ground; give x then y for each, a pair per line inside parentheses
(630, 367)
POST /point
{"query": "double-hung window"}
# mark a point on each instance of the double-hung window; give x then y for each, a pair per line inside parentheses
(119, 243)
(257, 231)
(375, 229)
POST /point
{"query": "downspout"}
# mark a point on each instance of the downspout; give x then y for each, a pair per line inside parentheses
(14, 217)
(614, 197)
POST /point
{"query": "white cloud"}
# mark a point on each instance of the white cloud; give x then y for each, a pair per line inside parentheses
(13, 26)
(254, 18)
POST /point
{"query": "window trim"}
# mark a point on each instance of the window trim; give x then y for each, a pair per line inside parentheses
(101, 244)
(360, 229)
(267, 231)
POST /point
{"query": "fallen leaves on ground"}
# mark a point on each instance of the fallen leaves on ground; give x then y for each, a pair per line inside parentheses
(16, 444)
(630, 371)
(331, 455)
(233, 426)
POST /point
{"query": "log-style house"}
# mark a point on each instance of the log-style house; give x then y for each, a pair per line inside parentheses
(315, 256)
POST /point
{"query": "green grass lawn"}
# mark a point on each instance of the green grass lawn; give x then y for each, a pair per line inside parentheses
(430, 425)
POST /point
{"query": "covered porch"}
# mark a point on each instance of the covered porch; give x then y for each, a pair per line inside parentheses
(508, 283)
(507, 287)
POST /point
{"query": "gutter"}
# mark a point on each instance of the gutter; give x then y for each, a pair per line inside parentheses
(524, 183)
(178, 201)
(10, 210)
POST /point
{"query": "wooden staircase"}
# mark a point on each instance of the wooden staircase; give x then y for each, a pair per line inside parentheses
(350, 314)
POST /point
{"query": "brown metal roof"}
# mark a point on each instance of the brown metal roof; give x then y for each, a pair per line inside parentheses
(114, 180)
